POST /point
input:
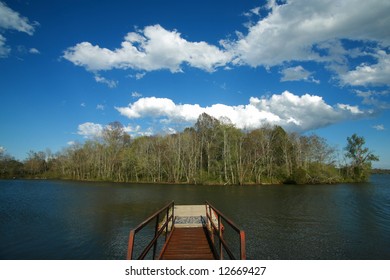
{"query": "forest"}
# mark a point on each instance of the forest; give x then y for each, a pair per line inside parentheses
(211, 152)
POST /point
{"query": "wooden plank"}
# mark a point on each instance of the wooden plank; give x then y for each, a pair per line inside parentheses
(188, 244)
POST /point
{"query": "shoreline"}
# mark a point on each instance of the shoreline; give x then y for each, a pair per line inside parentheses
(210, 184)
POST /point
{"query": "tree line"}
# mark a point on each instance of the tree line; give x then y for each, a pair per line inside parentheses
(211, 152)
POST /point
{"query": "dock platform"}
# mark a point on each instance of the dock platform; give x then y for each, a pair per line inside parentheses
(189, 240)
(191, 232)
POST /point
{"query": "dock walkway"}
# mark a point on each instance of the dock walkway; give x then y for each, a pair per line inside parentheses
(189, 239)
(191, 232)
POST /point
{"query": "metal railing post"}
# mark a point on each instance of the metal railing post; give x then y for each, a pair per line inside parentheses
(173, 217)
(220, 237)
(219, 229)
(131, 245)
(167, 224)
(242, 245)
(155, 235)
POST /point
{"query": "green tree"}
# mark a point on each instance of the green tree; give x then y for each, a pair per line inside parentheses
(9, 166)
(361, 158)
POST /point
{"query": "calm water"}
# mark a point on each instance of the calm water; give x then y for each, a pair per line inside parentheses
(72, 220)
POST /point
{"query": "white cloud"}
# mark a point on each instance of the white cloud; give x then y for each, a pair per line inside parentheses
(4, 49)
(252, 12)
(374, 98)
(348, 108)
(294, 31)
(300, 113)
(12, 20)
(136, 94)
(83, 104)
(100, 107)
(90, 130)
(135, 131)
(130, 129)
(291, 30)
(301, 30)
(149, 106)
(34, 51)
(379, 127)
(297, 73)
(374, 74)
(9, 19)
(139, 76)
(102, 80)
(2, 150)
(170, 130)
(256, 11)
(152, 48)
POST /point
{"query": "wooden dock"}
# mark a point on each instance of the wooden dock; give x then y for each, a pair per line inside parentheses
(189, 239)
(191, 232)
(188, 243)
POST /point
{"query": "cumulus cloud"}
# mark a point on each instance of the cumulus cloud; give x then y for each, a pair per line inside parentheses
(291, 31)
(299, 113)
(283, 32)
(297, 73)
(12, 20)
(374, 74)
(90, 130)
(152, 48)
(298, 30)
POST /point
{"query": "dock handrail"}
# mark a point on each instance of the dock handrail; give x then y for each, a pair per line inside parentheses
(158, 230)
(213, 215)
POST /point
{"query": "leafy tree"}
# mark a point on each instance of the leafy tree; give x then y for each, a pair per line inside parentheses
(208, 130)
(9, 166)
(360, 156)
(35, 164)
(212, 151)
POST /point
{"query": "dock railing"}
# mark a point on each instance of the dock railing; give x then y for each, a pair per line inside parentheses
(216, 222)
(166, 225)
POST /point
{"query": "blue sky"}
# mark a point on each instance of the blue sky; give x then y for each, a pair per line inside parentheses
(69, 68)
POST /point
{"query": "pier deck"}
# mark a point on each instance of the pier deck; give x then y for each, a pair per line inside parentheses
(192, 232)
(188, 243)
(189, 238)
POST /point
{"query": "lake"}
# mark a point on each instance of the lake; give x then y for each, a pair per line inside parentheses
(47, 220)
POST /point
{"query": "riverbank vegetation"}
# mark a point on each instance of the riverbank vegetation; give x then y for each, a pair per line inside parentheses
(212, 152)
